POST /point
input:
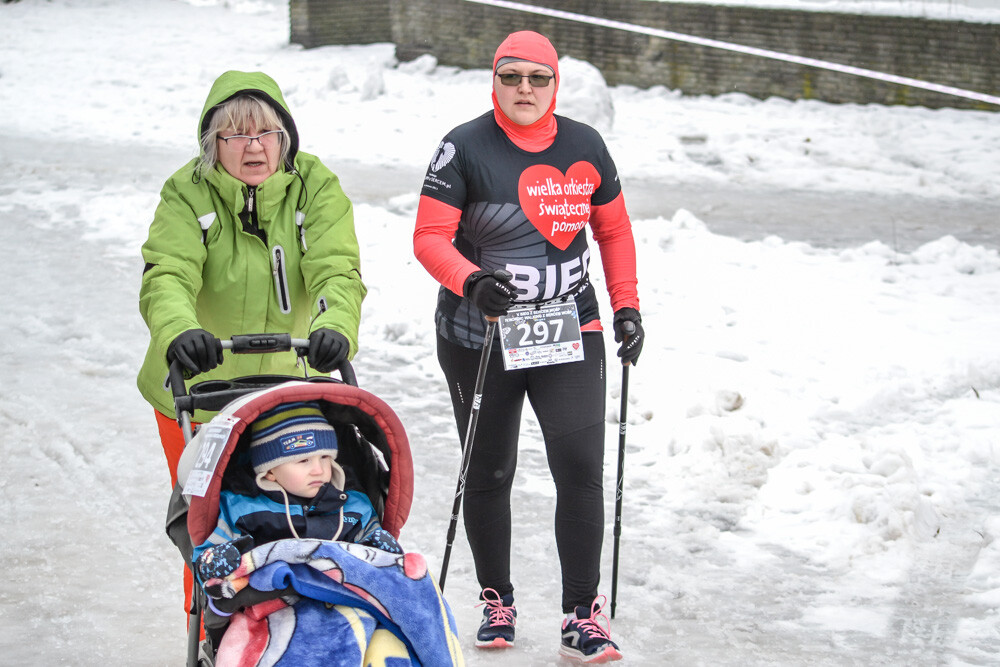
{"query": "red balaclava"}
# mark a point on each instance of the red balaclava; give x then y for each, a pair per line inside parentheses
(532, 47)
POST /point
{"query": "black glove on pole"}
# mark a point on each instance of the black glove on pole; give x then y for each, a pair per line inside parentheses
(492, 293)
(197, 350)
(628, 331)
(327, 349)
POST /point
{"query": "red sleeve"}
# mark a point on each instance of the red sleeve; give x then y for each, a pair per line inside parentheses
(613, 232)
(433, 247)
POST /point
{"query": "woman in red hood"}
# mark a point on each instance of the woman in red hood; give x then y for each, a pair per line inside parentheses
(514, 190)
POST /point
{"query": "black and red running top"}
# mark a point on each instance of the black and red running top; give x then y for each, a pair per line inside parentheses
(489, 203)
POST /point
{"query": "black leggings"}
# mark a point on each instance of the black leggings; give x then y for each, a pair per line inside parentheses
(568, 400)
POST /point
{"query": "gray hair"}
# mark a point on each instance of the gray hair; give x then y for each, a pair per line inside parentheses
(238, 114)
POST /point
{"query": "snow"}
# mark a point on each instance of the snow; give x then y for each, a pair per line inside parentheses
(813, 438)
(972, 11)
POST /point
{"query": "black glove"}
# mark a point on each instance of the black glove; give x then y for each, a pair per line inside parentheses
(628, 328)
(327, 349)
(491, 294)
(220, 561)
(197, 350)
(382, 539)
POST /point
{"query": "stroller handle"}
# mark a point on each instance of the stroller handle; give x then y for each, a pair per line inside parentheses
(263, 343)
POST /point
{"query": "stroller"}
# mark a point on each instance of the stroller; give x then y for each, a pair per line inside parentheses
(307, 576)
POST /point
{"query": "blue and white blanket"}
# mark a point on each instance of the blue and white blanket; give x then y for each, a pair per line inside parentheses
(335, 604)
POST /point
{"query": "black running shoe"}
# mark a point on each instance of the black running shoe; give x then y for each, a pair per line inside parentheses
(585, 638)
(499, 617)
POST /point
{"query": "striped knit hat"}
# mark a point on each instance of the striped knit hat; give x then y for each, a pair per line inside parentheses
(290, 432)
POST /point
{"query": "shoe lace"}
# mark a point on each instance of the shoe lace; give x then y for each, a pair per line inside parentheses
(496, 612)
(593, 625)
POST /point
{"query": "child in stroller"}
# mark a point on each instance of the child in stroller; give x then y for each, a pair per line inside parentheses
(305, 600)
(297, 480)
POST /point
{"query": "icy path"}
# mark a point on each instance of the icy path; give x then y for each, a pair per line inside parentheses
(89, 568)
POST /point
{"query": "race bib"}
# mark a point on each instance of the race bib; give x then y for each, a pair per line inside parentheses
(214, 436)
(541, 334)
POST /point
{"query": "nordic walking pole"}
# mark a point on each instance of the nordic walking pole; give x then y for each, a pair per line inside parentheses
(470, 433)
(622, 421)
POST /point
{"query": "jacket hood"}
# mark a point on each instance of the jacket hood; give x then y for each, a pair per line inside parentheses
(259, 85)
(531, 47)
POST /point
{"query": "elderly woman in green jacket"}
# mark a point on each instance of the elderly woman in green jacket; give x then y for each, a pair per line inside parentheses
(252, 236)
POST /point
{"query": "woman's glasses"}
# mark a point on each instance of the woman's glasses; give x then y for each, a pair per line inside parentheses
(536, 80)
(241, 142)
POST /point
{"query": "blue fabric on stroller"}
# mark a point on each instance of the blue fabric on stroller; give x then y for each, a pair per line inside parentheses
(352, 605)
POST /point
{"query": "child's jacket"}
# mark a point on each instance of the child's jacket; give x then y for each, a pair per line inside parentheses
(263, 517)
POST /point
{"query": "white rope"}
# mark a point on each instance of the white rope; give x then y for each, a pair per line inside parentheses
(749, 50)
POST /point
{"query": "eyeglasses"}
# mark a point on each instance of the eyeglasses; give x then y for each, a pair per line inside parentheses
(241, 142)
(536, 80)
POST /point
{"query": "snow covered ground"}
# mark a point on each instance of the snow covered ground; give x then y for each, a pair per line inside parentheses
(814, 435)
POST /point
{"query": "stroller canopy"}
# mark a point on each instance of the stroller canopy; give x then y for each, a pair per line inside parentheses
(343, 405)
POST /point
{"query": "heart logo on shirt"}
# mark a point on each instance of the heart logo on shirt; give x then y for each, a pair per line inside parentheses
(558, 204)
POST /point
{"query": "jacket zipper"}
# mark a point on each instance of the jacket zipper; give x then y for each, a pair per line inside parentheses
(280, 279)
(300, 219)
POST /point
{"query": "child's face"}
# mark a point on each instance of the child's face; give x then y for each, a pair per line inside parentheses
(303, 477)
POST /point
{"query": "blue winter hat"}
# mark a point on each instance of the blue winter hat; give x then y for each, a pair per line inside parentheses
(289, 432)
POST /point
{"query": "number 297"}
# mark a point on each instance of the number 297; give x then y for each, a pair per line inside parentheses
(539, 333)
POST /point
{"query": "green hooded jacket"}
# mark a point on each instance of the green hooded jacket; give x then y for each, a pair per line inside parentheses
(205, 271)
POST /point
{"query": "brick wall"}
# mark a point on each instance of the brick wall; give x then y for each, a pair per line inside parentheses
(463, 34)
(321, 22)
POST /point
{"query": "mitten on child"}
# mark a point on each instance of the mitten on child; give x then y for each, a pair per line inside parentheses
(382, 539)
(220, 561)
